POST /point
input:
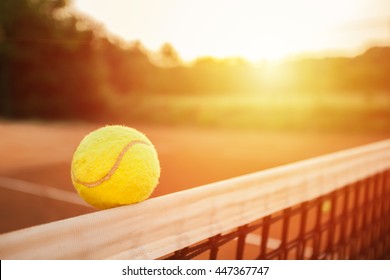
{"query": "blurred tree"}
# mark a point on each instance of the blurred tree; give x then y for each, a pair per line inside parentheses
(48, 61)
(56, 63)
(168, 57)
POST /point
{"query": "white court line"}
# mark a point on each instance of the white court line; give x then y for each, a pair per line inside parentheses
(255, 239)
(42, 191)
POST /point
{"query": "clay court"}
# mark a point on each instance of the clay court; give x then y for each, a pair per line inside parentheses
(35, 185)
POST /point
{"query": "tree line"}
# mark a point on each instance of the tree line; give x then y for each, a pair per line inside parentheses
(56, 63)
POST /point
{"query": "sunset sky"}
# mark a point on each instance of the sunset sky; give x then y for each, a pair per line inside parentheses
(253, 29)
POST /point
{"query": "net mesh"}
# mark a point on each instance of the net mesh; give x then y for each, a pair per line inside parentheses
(352, 222)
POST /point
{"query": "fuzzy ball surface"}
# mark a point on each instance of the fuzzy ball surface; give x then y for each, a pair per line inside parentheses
(114, 166)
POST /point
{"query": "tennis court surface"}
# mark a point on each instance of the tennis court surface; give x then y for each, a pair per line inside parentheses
(335, 206)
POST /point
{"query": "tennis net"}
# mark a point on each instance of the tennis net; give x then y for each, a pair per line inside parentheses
(331, 207)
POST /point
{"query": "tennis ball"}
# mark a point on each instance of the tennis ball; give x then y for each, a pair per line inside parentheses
(114, 166)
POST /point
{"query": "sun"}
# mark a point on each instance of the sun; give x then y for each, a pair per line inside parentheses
(252, 29)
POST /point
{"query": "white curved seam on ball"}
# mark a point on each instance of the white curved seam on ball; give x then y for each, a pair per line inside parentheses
(113, 168)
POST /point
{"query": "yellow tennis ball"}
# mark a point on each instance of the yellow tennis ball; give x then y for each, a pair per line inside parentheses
(113, 166)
